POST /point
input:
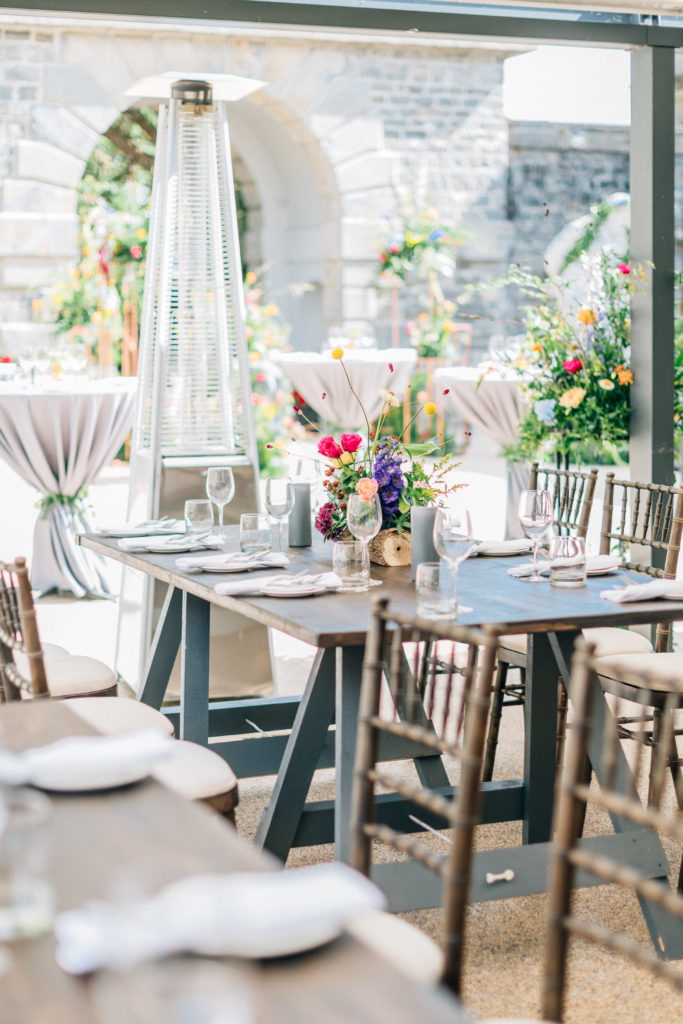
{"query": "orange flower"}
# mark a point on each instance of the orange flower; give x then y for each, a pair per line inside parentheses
(537, 347)
(624, 376)
(586, 316)
(367, 487)
(422, 317)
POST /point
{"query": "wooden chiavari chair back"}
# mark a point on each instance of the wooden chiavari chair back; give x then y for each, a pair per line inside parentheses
(19, 635)
(572, 492)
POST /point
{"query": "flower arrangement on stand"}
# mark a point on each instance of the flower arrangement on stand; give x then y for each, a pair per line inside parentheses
(575, 359)
(417, 241)
(391, 467)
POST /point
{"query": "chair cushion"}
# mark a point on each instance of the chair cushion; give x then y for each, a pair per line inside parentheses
(76, 676)
(195, 772)
(401, 943)
(54, 651)
(607, 640)
(115, 715)
(662, 672)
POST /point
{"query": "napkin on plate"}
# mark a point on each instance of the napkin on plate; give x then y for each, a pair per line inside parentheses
(281, 585)
(672, 589)
(594, 564)
(246, 914)
(156, 527)
(517, 546)
(84, 758)
(234, 561)
(155, 541)
(527, 569)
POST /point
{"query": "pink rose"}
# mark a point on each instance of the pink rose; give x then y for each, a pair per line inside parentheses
(573, 365)
(351, 442)
(625, 268)
(328, 447)
(367, 487)
(136, 252)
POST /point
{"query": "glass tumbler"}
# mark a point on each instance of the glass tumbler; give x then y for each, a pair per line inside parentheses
(350, 564)
(26, 894)
(568, 562)
(435, 598)
(254, 533)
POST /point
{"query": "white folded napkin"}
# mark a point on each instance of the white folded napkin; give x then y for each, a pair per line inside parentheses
(672, 589)
(602, 563)
(234, 561)
(155, 541)
(86, 760)
(156, 527)
(527, 569)
(259, 914)
(281, 585)
(517, 546)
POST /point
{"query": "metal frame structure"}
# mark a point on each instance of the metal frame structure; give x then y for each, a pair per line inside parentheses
(652, 41)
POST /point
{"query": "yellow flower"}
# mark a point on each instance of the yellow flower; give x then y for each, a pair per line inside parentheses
(254, 357)
(75, 273)
(141, 233)
(250, 277)
(337, 353)
(430, 408)
(270, 410)
(572, 398)
(606, 384)
(537, 347)
(86, 250)
(586, 316)
(271, 309)
(346, 458)
(449, 306)
(97, 317)
(623, 375)
(449, 327)
(37, 305)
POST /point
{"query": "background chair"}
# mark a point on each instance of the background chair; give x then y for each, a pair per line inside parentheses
(445, 711)
(191, 770)
(651, 522)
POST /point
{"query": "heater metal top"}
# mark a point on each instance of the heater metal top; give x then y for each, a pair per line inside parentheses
(221, 87)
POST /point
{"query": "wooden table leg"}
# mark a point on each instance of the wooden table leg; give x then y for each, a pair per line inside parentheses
(280, 820)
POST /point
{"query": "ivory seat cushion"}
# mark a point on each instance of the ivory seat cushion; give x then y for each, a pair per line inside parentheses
(401, 943)
(113, 716)
(54, 651)
(77, 676)
(195, 772)
(607, 640)
(663, 670)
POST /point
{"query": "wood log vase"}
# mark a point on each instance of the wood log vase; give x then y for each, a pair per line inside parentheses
(390, 548)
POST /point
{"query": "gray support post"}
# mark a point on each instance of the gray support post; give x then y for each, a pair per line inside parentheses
(652, 242)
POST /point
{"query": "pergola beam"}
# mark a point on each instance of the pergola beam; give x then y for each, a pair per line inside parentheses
(652, 246)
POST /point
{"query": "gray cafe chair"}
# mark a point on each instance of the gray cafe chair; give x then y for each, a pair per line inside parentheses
(443, 706)
(29, 671)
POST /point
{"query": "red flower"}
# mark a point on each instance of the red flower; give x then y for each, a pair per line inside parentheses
(136, 252)
(5, 359)
(625, 268)
(296, 408)
(446, 390)
(324, 394)
(328, 447)
(298, 397)
(351, 442)
(394, 248)
(391, 367)
(573, 365)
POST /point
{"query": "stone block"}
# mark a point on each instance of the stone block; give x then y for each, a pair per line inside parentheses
(70, 85)
(346, 97)
(38, 234)
(63, 130)
(104, 58)
(36, 197)
(42, 162)
(373, 170)
(361, 135)
(96, 116)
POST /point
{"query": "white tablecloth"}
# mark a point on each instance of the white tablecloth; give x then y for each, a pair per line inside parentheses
(58, 439)
(314, 374)
(494, 406)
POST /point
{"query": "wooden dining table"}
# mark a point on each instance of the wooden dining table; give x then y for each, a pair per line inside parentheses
(142, 837)
(318, 729)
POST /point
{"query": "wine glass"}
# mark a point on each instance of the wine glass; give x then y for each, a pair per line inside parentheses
(220, 487)
(364, 520)
(454, 542)
(535, 512)
(279, 503)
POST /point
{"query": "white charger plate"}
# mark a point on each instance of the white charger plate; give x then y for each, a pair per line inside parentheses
(118, 532)
(170, 546)
(97, 777)
(305, 590)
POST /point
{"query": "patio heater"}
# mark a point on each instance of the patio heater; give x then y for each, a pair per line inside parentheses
(194, 391)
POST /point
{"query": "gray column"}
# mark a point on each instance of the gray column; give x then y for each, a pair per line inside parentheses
(652, 242)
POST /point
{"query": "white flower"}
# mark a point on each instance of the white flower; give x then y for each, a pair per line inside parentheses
(389, 398)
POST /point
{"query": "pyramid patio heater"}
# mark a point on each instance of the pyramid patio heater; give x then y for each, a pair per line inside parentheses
(194, 391)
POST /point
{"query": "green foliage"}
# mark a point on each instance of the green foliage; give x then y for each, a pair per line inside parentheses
(599, 215)
(417, 242)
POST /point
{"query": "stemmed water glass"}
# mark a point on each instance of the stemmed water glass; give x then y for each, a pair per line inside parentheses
(220, 487)
(364, 520)
(279, 503)
(454, 542)
(535, 511)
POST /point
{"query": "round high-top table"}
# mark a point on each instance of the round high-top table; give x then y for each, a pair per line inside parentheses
(321, 381)
(58, 438)
(494, 402)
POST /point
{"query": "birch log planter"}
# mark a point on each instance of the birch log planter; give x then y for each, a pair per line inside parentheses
(390, 548)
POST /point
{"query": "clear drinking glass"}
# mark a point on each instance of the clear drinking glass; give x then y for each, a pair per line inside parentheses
(454, 542)
(26, 894)
(220, 487)
(535, 512)
(198, 518)
(348, 561)
(279, 503)
(254, 533)
(568, 562)
(364, 520)
(434, 600)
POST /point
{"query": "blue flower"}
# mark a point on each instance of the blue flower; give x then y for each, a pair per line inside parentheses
(545, 410)
(436, 234)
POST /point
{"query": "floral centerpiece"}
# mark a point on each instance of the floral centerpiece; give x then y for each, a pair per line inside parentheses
(391, 467)
(575, 358)
(417, 241)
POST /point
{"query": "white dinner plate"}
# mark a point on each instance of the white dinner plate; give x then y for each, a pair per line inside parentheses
(602, 572)
(96, 778)
(169, 545)
(305, 590)
(150, 530)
